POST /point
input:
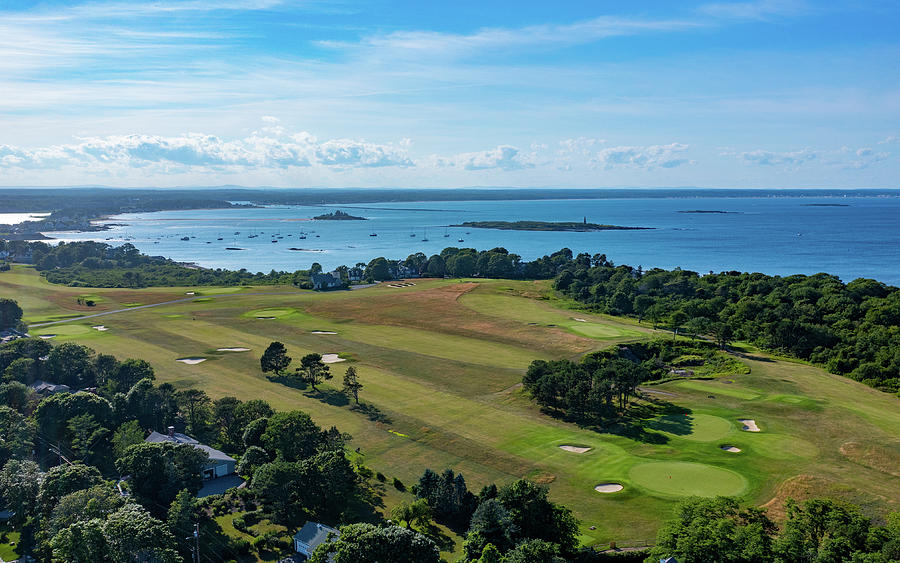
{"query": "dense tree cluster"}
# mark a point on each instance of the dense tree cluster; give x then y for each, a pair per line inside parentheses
(850, 328)
(599, 386)
(97, 264)
(65, 456)
(818, 531)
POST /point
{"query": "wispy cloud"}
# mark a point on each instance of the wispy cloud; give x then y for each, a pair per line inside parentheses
(772, 158)
(756, 10)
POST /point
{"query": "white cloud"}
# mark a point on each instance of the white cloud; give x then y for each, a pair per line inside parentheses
(200, 152)
(503, 157)
(648, 157)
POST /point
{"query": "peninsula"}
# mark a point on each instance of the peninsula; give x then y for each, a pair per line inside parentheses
(338, 216)
(547, 226)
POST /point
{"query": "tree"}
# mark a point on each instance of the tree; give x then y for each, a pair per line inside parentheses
(129, 372)
(352, 384)
(716, 529)
(23, 370)
(534, 550)
(292, 436)
(64, 479)
(81, 542)
(417, 513)
(312, 370)
(10, 313)
(491, 524)
(195, 403)
(676, 320)
(252, 459)
(98, 501)
(378, 269)
(822, 530)
(71, 364)
(181, 518)
(275, 359)
(20, 482)
(723, 333)
(132, 534)
(253, 433)
(538, 518)
(16, 435)
(158, 471)
(128, 434)
(367, 543)
(228, 425)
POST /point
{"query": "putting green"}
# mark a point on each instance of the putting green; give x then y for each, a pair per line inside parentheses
(66, 331)
(682, 478)
(697, 427)
(276, 312)
(780, 446)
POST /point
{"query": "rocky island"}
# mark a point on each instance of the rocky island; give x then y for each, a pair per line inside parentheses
(338, 216)
(575, 226)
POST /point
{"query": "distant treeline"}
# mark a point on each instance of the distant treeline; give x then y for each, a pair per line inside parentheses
(849, 328)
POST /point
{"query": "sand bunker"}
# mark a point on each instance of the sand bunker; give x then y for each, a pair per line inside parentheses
(332, 359)
(404, 284)
(189, 293)
(237, 349)
(731, 449)
(191, 361)
(47, 336)
(575, 449)
(608, 488)
(101, 328)
(579, 320)
(322, 332)
(749, 424)
(266, 318)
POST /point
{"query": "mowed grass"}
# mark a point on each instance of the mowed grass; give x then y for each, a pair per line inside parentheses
(440, 363)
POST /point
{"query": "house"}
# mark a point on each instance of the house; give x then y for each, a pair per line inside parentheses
(330, 280)
(311, 535)
(9, 334)
(46, 388)
(219, 464)
(355, 274)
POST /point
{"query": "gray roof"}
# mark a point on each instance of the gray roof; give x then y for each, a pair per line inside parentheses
(177, 438)
(313, 533)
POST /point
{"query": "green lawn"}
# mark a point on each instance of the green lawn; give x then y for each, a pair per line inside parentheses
(440, 363)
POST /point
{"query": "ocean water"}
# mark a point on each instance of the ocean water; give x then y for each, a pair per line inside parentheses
(772, 232)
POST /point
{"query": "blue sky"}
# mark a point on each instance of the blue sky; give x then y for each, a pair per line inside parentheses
(764, 93)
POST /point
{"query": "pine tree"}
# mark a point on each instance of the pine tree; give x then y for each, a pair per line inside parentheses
(352, 384)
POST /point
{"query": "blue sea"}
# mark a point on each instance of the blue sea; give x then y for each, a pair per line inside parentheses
(776, 232)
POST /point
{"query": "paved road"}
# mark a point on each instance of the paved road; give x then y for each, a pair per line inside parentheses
(182, 300)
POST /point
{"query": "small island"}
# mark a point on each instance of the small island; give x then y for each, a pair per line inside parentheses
(710, 211)
(547, 226)
(338, 216)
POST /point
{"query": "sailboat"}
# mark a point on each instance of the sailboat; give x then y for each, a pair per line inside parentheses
(446, 234)
(424, 235)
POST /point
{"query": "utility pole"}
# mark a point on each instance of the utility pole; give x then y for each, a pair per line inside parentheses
(197, 540)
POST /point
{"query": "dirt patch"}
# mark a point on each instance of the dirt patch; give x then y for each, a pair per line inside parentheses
(607, 488)
(799, 488)
(575, 449)
(749, 425)
(884, 458)
(543, 478)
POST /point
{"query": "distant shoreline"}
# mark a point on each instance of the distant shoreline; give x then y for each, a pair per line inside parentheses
(572, 226)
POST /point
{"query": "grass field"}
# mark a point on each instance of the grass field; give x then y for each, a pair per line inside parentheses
(441, 363)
